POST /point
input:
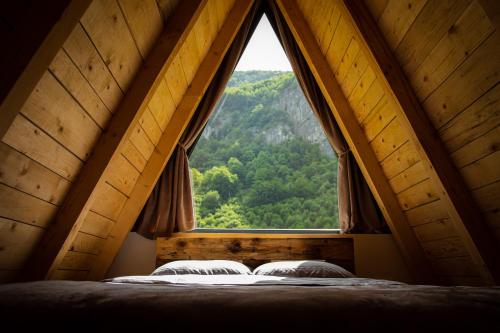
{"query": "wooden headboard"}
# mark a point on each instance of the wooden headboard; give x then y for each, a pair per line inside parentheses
(254, 250)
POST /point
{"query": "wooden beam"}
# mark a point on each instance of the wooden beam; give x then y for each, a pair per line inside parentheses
(62, 232)
(28, 53)
(465, 213)
(169, 139)
(370, 167)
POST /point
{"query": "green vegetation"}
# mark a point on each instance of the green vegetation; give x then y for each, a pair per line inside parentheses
(256, 167)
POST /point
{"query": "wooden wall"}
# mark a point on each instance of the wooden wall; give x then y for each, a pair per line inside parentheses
(56, 130)
(442, 46)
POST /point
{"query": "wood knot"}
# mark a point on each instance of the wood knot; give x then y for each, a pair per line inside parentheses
(181, 243)
(409, 5)
(23, 172)
(452, 29)
(234, 247)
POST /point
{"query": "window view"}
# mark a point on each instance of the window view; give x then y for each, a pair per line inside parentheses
(263, 161)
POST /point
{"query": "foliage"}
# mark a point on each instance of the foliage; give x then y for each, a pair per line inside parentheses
(241, 180)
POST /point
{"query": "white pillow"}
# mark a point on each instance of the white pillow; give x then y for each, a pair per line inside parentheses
(202, 267)
(303, 268)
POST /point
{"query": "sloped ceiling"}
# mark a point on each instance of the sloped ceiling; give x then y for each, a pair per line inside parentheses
(73, 221)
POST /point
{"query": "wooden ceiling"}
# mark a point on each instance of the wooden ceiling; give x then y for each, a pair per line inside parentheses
(91, 121)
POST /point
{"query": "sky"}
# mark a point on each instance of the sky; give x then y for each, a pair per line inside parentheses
(264, 51)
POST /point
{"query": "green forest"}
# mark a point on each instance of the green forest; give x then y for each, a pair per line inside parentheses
(263, 161)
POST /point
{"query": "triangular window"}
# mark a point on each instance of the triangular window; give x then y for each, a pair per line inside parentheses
(263, 161)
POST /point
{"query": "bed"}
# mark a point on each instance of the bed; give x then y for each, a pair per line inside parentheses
(248, 302)
(242, 300)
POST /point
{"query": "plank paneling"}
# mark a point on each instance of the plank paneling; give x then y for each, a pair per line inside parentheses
(72, 79)
(108, 202)
(23, 207)
(82, 52)
(17, 241)
(52, 108)
(34, 143)
(145, 22)
(97, 225)
(108, 30)
(23, 173)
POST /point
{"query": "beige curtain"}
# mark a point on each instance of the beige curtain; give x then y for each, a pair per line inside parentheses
(170, 206)
(358, 211)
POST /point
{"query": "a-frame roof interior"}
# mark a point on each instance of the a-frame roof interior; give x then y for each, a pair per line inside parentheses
(94, 105)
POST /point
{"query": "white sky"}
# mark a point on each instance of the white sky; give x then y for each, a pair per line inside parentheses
(264, 51)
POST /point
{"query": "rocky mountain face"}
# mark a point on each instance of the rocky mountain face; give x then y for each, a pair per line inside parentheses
(292, 115)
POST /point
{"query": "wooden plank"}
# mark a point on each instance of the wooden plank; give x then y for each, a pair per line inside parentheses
(169, 139)
(161, 105)
(339, 43)
(339, 250)
(190, 58)
(85, 243)
(418, 195)
(374, 93)
(130, 152)
(37, 59)
(397, 18)
(84, 55)
(479, 118)
(70, 77)
(473, 78)
(448, 182)
(23, 207)
(151, 127)
(144, 21)
(429, 27)
(353, 134)
(97, 225)
(458, 266)
(106, 27)
(462, 38)
(51, 108)
(82, 194)
(77, 261)
(354, 73)
(400, 160)
(391, 138)
(329, 32)
(381, 115)
(487, 144)
(124, 176)
(26, 175)
(17, 241)
(445, 248)
(482, 172)
(435, 230)
(411, 176)
(140, 140)
(434, 211)
(108, 202)
(176, 81)
(34, 143)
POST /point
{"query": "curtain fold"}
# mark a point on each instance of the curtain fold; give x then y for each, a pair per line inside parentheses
(358, 210)
(170, 206)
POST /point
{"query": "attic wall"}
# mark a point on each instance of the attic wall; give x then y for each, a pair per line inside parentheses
(114, 195)
(56, 130)
(450, 51)
(420, 36)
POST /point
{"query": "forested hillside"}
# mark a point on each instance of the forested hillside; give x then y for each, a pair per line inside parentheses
(263, 160)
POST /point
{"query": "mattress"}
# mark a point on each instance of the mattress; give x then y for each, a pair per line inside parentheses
(244, 303)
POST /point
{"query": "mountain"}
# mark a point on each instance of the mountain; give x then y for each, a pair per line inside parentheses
(263, 160)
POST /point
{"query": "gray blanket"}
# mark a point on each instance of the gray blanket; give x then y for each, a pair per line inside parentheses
(157, 303)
